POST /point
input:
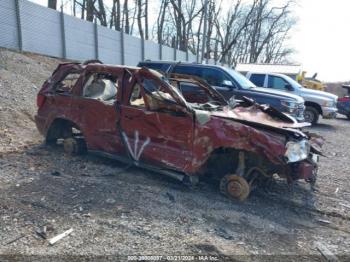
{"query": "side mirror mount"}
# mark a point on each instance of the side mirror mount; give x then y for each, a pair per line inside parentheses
(227, 83)
(289, 87)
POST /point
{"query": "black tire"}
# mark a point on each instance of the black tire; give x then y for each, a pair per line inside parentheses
(74, 146)
(311, 115)
(348, 116)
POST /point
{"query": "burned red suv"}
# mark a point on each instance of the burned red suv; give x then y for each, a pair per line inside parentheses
(139, 116)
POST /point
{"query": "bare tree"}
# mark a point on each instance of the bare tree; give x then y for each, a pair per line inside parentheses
(161, 20)
(126, 23)
(52, 4)
(249, 31)
(90, 7)
(139, 18)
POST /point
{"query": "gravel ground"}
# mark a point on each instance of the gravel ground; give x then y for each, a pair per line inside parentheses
(119, 210)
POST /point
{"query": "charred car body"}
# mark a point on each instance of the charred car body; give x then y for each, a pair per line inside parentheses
(138, 116)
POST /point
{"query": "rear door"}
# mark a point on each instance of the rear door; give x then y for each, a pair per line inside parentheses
(276, 82)
(96, 114)
(258, 79)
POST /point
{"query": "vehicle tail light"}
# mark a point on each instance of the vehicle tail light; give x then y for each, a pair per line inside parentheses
(344, 99)
(40, 100)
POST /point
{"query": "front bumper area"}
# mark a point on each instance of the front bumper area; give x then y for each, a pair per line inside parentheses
(329, 112)
(297, 113)
(306, 169)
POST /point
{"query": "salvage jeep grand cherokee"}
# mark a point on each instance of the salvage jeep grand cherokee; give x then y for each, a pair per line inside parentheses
(138, 116)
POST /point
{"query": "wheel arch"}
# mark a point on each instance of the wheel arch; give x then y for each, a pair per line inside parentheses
(224, 160)
(314, 105)
(60, 128)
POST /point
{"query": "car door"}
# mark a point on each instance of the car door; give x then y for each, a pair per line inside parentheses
(220, 81)
(97, 116)
(151, 134)
(278, 83)
(214, 77)
(258, 79)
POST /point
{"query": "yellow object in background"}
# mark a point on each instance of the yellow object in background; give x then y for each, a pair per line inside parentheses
(308, 82)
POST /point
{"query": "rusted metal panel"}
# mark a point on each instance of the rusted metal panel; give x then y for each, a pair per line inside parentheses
(176, 135)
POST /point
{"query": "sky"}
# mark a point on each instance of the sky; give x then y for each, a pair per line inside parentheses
(321, 38)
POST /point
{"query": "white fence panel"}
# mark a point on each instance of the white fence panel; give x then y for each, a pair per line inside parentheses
(80, 40)
(192, 57)
(42, 30)
(151, 50)
(132, 47)
(38, 36)
(180, 56)
(8, 24)
(109, 46)
(167, 53)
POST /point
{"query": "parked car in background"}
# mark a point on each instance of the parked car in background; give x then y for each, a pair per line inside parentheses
(343, 103)
(230, 83)
(138, 116)
(317, 102)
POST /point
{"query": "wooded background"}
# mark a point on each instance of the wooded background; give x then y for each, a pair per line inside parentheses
(231, 32)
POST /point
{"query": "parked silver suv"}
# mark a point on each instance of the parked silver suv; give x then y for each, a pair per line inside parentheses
(317, 102)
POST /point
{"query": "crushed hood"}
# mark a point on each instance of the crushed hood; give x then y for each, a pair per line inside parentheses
(255, 115)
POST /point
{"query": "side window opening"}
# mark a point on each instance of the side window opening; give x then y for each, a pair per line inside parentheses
(214, 77)
(277, 83)
(102, 87)
(136, 98)
(156, 96)
(258, 79)
(66, 85)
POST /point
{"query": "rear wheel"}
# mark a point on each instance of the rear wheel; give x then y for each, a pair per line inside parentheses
(235, 187)
(74, 146)
(311, 115)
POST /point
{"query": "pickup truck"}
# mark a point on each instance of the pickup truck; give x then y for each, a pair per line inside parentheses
(317, 102)
(140, 117)
(230, 83)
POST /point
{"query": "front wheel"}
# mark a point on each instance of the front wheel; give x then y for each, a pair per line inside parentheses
(311, 115)
(235, 187)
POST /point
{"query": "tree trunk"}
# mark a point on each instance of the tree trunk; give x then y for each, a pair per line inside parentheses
(52, 4)
(146, 19)
(90, 10)
(139, 18)
(126, 17)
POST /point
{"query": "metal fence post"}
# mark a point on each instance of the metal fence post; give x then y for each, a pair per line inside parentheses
(160, 51)
(63, 35)
(96, 39)
(187, 55)
(174, 54)
(142, 49)
(19, 25)
(122, 46)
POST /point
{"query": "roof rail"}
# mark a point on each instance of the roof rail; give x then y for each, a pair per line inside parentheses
(92, 61)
